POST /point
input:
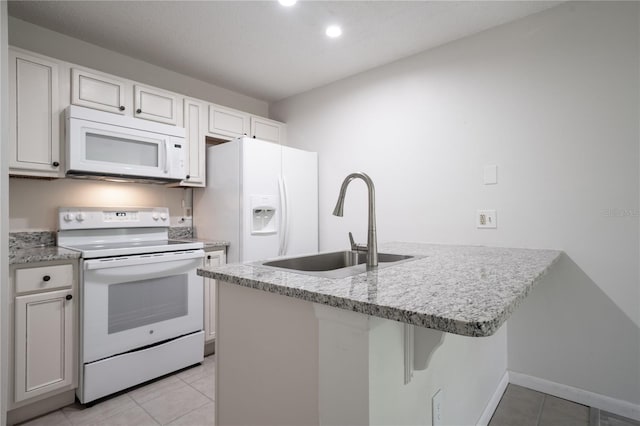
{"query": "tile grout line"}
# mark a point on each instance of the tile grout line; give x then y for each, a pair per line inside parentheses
(148, 413)
(594, 416)
(544, 399)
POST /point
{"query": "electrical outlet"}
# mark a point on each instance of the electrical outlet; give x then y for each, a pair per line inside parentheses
(181, 221)
(486, 219)
(436, 409)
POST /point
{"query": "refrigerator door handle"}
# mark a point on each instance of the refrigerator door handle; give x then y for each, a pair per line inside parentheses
(283, 217)
(287, 216)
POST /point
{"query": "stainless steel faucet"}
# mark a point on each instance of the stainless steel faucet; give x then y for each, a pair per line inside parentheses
(372, 241)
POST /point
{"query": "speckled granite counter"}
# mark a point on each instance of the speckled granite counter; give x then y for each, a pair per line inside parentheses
(466, 290)
(209, 245)
(41, 254)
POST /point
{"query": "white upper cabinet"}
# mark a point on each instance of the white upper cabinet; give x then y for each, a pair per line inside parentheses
(98, 91)
(227, 123)
(155, 104)
(195, 124)
(34, 116)
(41, 88)
(267, 130)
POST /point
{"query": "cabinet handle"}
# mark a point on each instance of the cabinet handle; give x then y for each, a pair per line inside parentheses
(68, 297)
(55, 164)
(46, 278)
(187, 177)
(254, 136)
(138, 111)
(121, 108)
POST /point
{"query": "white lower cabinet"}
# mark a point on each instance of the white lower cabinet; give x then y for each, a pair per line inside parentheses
(43, 343)
(44, 330)
(213, 258)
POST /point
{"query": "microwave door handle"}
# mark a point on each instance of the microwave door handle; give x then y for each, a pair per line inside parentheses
(166, 156)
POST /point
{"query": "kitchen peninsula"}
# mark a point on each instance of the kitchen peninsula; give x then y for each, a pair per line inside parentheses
(365, 349)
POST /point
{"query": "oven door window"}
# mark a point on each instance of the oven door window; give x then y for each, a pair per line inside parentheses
(138, 303)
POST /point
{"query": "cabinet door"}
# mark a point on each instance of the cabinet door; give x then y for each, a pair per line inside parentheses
(155, 104)
(97, 91)
(267, 130)
(227, 123)
(34, 116)
(195, 128)
(211, 259)
(43, 343)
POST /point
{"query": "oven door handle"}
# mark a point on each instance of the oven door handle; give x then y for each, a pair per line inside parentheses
(143, 259)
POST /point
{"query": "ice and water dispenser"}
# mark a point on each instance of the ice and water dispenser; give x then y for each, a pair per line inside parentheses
(263, 214)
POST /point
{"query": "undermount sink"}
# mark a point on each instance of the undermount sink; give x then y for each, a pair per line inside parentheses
(340, 264)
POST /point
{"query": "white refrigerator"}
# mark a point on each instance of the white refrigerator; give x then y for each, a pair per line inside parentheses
(261, 197)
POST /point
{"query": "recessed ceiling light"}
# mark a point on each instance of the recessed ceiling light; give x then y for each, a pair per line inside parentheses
(333, 31)
(287, 2)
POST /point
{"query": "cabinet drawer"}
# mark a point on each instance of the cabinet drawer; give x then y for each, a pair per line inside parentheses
(43, 278)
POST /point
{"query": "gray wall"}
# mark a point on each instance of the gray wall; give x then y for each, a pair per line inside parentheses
(552, 99)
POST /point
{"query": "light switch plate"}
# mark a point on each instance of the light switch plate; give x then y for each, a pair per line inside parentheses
(490, 175)
(486, 219)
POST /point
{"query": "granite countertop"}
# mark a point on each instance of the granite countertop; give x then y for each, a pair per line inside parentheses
(41, 254)
(207, 243)
(466, 290)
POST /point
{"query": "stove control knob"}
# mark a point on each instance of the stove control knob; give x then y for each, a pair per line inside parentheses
(80, 217)
(155, 216)
(163, 216)
(68, 217)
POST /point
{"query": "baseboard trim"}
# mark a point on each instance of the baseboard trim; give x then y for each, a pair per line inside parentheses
(590, 399)
(494, 401)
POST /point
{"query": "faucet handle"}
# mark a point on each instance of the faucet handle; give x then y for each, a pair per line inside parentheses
(355, 246)
(353, 243)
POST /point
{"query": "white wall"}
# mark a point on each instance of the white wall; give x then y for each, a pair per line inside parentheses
(552, 99)
(33, 202)
(4, 211)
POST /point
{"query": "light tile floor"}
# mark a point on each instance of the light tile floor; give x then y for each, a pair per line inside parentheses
(187, 399)
(182, 399)
(525, 407)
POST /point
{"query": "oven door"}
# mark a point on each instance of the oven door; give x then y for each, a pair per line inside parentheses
(129, 302)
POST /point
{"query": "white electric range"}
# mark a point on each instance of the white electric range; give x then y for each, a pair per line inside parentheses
(141, 302)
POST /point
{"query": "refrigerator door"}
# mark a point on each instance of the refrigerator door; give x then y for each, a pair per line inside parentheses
(261, 205)
(300, 182)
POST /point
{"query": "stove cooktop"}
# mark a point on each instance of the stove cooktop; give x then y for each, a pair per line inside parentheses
(107, 249)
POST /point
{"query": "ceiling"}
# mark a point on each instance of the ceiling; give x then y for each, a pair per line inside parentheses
(265, 50)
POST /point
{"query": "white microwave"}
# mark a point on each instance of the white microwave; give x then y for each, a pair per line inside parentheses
(103, 145)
